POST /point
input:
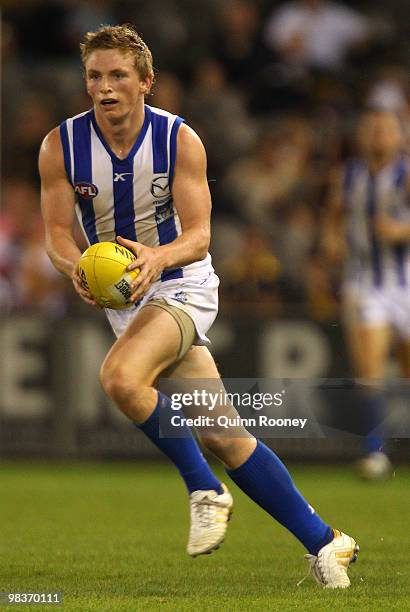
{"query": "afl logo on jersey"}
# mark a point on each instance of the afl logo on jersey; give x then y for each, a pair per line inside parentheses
(86, 190)
(160, 187)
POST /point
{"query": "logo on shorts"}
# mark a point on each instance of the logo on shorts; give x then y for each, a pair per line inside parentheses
(86, 190)
(181, 296)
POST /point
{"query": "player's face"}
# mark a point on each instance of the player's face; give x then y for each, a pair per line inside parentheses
(113, 82)
(380, 134)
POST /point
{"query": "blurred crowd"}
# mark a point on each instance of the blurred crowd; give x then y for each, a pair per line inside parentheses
(272, 87)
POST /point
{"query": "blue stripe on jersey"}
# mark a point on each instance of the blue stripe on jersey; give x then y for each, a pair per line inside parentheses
(400, 250)
(374, 245)
(173, 148)
(171, 274)
(66, 150)
(123, 179)
(159, 125)
(83, 172)
(123, 190)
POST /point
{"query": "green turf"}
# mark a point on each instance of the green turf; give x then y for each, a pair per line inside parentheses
(112, 538)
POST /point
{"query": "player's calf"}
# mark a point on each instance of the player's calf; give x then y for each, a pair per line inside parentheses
(232, 451)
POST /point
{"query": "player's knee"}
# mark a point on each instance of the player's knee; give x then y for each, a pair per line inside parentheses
(217, 442)
(118, 382)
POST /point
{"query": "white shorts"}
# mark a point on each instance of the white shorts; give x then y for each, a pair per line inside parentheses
(195, 295)
(374, 306)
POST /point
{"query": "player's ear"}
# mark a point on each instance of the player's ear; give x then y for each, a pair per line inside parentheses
(146, 84)
(84, 73)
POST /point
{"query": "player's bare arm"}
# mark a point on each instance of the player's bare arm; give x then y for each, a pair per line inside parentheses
(192, 201)
(392, 231)
(57, 206)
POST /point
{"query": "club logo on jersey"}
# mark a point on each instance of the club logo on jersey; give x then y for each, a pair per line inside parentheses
(86, 190)
(163, 211)
(120, 176)
(160, 187)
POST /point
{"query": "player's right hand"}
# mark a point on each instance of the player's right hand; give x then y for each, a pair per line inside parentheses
(84, 294)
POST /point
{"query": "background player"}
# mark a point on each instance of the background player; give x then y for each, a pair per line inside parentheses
(145, 173)
(371, 194)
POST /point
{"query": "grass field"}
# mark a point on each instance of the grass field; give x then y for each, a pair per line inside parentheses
(112, 537)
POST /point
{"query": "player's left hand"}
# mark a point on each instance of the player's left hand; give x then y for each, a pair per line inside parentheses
(389, 229)
(148, 261)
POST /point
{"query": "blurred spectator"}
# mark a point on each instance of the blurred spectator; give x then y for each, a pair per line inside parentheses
(27, 277)
(260, 184)
(40, 28)
(164, 25)
(13, 77)
(250, 278)
(168, 93)
(390, 91)
(321, 288)
(19, 203)
(81, 17)
(35, 117)
(315, 33)
(39, 283)
(294, 246)
(218, 112)
(237, 42)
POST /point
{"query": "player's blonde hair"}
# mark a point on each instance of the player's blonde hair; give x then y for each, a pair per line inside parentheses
(123, 37)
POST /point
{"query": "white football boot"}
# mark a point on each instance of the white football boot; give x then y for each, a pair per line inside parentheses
(375, 466)
(210, 513)
(329, 567)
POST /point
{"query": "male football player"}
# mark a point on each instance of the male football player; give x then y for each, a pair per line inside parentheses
(137, 175)
(371, 195)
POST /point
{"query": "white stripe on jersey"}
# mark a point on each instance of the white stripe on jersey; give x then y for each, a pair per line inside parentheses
(102, 177)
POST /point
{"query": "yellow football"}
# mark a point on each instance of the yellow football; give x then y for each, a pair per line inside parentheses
(103, 271)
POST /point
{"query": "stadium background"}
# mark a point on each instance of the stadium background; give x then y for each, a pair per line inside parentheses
(111, 534)
(275, 125)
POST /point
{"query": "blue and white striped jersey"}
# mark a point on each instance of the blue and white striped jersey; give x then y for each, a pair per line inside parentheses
(370, 261)
(128, 197)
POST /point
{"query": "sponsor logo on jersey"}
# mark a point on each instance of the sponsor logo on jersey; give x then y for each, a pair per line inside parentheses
(86, 190)
(160, 187)
(164, 211)
(120, 176)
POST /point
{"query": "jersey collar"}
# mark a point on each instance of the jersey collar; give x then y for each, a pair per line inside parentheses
(135, 147)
